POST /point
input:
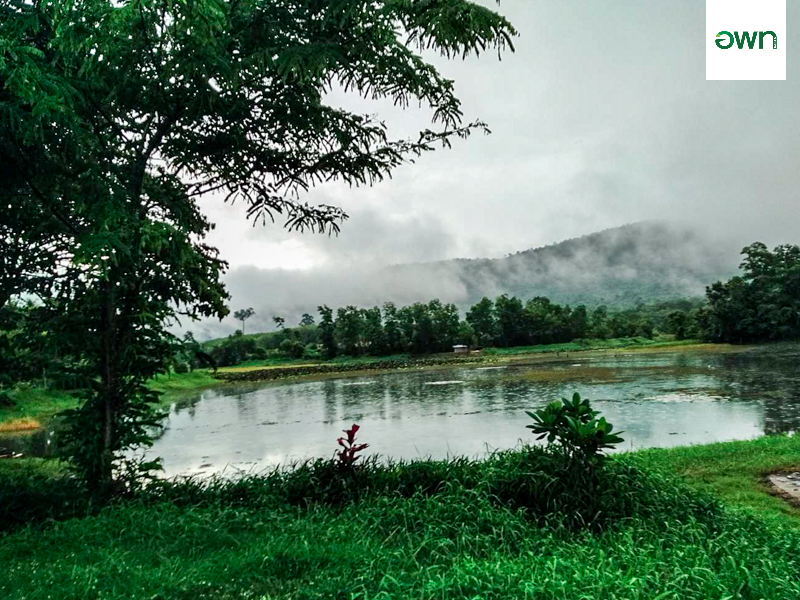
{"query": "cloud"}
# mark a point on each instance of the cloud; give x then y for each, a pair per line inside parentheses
(602, 117)
(372, 238)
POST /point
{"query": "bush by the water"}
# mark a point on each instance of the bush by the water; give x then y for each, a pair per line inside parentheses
(576, 429)
(5, 400)
(540, 482)
(292, 348)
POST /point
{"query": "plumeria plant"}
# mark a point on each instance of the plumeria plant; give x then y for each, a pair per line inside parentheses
(574, 426)
(346, 457)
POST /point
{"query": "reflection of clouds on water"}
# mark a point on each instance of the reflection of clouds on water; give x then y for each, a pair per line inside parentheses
(444, 382)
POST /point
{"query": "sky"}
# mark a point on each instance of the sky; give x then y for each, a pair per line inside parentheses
(601, 117)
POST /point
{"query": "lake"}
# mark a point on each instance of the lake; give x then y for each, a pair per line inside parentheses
(659, 399)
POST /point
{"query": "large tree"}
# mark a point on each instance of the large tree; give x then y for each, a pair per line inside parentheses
(119, 115)
(762, 304)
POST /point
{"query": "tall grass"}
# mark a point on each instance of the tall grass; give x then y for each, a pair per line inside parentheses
(519, 525)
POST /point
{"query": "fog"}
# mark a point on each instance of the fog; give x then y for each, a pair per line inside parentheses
(601, 117)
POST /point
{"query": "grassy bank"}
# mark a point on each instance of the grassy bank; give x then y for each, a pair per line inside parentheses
(733, 471)
(518, 525)
(34, 406)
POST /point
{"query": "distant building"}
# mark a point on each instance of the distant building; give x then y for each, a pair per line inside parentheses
(461, 349)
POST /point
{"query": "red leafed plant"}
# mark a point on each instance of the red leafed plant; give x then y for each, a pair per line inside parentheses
(347, 455)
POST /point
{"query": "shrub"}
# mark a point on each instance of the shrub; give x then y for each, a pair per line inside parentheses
(292, 348)
(312, 352)
(181, 367)
(259, 353)
(575, 428)
(34, 496)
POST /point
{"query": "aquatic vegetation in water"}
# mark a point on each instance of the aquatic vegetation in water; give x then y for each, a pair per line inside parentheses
(577, 373)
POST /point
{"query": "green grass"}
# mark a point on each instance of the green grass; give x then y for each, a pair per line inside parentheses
(35, 403)
(508, 527)
(733, 471)
(176, 385)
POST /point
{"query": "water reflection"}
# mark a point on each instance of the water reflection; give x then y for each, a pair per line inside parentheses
(658, 399)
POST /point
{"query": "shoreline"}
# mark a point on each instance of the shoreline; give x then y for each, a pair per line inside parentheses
(37, 407)
(378, 366)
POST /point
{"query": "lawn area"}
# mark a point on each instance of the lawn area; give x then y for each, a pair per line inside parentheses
(35, 406)
(32, 407)
(733, 471)
(682, 523)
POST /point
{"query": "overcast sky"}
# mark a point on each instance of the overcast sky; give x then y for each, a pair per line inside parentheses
(601, 117)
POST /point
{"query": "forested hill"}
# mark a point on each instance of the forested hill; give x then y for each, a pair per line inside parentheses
(644, 261)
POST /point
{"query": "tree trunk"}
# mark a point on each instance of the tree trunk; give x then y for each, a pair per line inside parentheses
(109, 390)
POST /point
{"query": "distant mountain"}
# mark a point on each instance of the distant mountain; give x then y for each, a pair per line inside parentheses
(619, 267)
(645, 261)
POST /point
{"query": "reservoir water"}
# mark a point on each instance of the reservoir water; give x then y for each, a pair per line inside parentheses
(659, 399)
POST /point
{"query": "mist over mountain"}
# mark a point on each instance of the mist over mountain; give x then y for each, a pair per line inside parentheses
(640, 262)
(621, 266)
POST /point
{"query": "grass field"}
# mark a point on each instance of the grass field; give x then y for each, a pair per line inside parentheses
(684, 523)
(733, 471)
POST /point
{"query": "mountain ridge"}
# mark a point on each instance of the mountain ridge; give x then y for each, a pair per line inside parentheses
(637, 262)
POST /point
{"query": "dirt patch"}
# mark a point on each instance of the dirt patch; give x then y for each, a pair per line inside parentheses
(786, 485)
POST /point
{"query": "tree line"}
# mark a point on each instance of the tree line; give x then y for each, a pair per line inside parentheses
(435, 326)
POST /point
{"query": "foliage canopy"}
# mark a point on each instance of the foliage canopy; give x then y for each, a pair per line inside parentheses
(116, 116)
